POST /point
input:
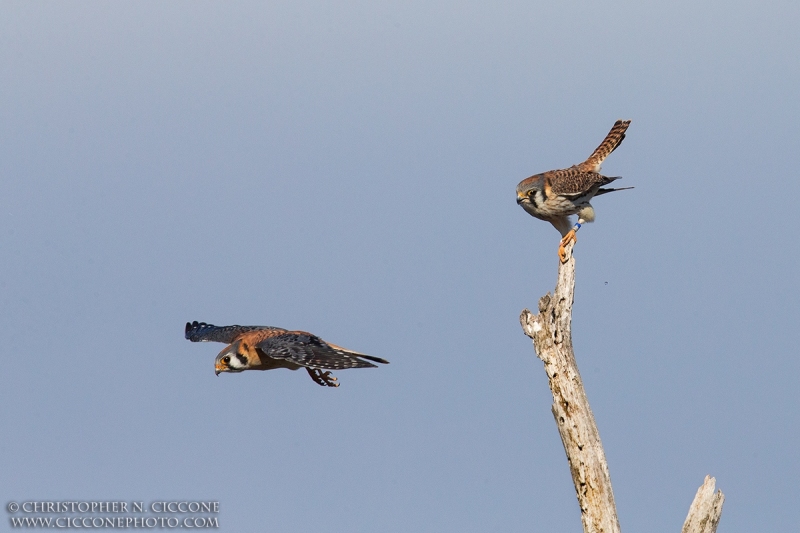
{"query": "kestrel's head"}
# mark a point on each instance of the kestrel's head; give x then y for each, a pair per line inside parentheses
(529, 193)
(231, 360)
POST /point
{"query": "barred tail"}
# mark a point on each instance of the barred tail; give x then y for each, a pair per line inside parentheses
(609, 144)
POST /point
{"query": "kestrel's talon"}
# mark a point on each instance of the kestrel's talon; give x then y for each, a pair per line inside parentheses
(314, 373)
(322, 378)
(329, 380)
(570, 237)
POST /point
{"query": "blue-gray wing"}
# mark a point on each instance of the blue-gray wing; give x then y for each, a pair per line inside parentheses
(310, 351)
(202, 332)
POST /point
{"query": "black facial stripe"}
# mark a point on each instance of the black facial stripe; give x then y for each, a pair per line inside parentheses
(242, 359)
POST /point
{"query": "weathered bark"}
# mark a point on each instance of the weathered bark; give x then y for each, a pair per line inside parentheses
(551, 331)
(706, 509)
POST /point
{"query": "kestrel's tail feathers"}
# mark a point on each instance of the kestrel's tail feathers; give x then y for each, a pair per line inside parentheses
(609, 144)
(358, 354)
(372, 358)
(603, 190)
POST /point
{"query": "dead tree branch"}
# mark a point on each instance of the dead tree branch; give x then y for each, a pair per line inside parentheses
(551, 331)
(706, 509)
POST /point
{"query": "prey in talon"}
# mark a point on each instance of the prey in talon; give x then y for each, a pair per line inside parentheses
(555, 195)
(266, 348)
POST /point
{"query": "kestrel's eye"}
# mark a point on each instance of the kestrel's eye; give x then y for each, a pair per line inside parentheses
(226, 359)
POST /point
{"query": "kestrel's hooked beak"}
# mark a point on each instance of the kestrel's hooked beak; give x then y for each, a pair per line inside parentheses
(520, 197)
(218, 368)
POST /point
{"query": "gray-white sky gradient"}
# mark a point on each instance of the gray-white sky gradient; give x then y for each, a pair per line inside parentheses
(349, 169)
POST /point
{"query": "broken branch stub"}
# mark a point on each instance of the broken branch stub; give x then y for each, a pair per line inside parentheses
(706, 509)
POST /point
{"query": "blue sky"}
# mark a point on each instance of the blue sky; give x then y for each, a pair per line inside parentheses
(349, 169)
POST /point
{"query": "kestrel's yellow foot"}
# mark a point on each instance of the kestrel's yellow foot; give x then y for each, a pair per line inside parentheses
(569, 237)
(322, 378)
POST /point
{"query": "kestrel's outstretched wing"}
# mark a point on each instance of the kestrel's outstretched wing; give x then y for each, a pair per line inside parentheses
(308, 350)
(202, 332)
(609, 144)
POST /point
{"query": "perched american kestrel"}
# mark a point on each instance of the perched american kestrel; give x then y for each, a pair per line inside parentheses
(265, 348)
(556, 194)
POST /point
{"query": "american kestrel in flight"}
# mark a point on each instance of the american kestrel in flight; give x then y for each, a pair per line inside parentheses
(265, 348)
(556, 194)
